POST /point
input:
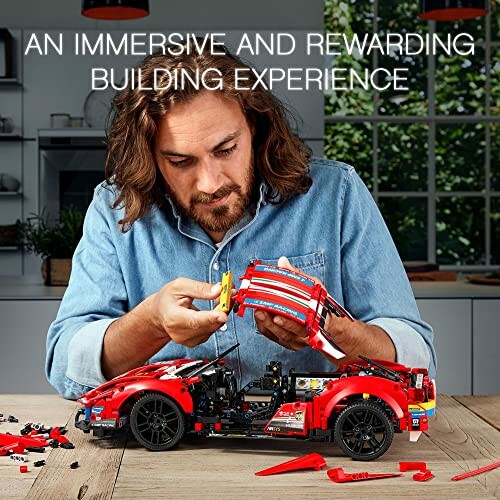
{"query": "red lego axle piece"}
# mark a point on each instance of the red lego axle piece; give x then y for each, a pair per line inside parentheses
(475, 472)
(312, 461)
(338, 475)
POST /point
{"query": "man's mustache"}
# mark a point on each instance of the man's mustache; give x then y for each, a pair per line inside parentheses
(205, 198)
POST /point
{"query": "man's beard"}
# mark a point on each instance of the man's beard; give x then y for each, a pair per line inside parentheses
(224, 217)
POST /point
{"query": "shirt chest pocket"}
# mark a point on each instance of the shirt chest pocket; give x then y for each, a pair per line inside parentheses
(312, 264)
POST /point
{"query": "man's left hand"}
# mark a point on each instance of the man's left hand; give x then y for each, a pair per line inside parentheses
(353, 337)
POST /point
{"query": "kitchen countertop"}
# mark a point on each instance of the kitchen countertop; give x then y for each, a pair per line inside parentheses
(454, 290)
(31, 288)
(464, 435)
(28, 288)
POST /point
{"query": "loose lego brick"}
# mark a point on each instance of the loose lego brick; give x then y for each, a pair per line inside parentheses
(406, 466)
(423, 475)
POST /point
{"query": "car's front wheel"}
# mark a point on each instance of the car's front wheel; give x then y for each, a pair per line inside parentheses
(363, 430)
(157, 422)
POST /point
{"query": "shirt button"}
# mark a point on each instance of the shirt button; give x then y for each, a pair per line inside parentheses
(216, 266)
(223, 327)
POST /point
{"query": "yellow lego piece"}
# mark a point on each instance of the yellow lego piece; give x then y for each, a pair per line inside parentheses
(225, 294)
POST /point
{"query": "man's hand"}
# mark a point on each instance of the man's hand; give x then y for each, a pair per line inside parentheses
(353, 337)
(168, 314)
(175, 316)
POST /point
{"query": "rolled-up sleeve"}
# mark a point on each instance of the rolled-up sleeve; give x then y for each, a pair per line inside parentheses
(376, 288)
(95, 297)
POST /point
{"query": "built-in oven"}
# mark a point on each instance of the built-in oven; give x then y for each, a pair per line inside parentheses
(71, 165)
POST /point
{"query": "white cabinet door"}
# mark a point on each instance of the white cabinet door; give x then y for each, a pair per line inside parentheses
(23, 330)
(451, 320)
(486, 347)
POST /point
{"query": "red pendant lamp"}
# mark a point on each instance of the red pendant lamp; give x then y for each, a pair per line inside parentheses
(115, 10)
(452, 10)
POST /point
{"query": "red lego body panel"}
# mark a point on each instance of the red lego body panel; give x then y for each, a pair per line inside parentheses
(294, 296)
(338, 390)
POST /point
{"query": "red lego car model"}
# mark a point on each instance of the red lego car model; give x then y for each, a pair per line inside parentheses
(359, 407)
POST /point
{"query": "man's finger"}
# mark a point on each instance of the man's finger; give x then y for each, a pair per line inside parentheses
(281, 336)
(289, 339)
(290, 326)
(280, 323)
(198, 322)
(186, 287)
(285, 263)
(285, 339)
(269, 335)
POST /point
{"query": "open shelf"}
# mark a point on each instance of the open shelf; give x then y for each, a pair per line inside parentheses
(10, 194)
(10, 137)
(10, 82)
(9, 248)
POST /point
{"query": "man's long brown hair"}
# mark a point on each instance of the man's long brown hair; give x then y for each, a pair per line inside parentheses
(281, 158)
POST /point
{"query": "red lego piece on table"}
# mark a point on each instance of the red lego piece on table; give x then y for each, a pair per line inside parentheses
(338, 475)
(476, 471)
(23, 468)
(423, 475)
(312, 461)
(406, 466)
(17, 444)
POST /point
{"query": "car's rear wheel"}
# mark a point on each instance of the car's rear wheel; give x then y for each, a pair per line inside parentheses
(157, 422)
(363, 430)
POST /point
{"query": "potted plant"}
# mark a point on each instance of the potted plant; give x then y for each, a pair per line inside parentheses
(55, 243)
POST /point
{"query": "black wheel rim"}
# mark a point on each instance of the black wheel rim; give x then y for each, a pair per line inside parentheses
(363, 432)
(157, 422)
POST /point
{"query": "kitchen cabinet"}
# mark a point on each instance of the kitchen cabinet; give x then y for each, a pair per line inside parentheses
(486, 347)
(23, 330)
(451, 320)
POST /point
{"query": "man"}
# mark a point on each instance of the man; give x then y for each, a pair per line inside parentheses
(200, 182)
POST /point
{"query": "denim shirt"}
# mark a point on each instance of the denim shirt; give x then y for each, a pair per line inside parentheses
(334, 232)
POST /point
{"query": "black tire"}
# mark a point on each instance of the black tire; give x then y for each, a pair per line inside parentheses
(364, 431)
(157, 422)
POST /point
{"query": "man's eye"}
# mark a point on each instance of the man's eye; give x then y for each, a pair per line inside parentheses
(228, 151)
(178, 163)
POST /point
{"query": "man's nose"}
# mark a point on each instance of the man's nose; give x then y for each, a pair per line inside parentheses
(209, 177)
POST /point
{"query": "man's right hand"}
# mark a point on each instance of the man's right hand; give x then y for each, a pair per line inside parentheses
(174, 315)
(166, 315)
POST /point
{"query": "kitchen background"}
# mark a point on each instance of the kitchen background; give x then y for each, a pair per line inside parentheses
(431, 158)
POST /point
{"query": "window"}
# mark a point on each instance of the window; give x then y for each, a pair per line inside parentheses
(430, 155)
